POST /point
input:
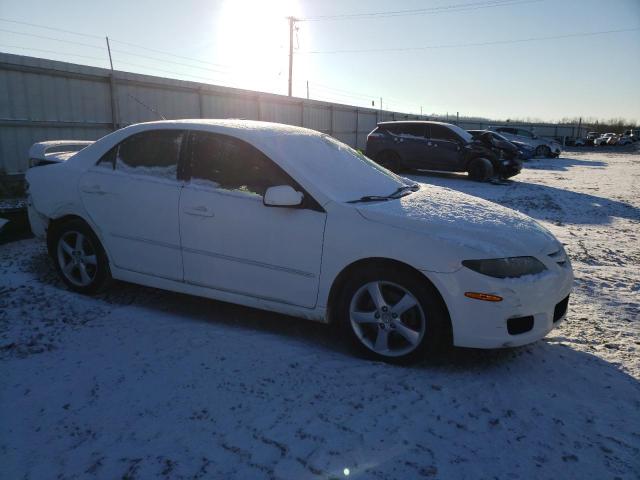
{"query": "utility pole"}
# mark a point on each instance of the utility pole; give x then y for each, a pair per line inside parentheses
(292, 24)
(109, 50)
(113, 94)
(307, 89)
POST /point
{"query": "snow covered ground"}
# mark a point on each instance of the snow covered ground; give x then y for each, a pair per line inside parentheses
(140, 383)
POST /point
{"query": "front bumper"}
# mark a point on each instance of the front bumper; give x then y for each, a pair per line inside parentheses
(482, 324)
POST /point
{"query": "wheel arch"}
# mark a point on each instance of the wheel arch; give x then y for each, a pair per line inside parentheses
(56, 223)
(354, 267)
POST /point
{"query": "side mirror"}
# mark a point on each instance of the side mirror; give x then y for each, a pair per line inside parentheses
(282, 196)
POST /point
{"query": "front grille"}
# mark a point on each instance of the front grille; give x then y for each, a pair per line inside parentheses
(561, 309)
(516, 326)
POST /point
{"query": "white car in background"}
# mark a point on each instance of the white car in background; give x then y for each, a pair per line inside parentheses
(291, 220)
(605, 139)
(543, 147)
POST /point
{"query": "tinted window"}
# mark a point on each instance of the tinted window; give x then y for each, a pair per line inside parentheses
(511, 131)
(412, 129)
(439, 132)
(525, 133)
(227, 162)
(153, 153)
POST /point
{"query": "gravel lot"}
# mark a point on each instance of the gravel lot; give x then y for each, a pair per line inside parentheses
(140, 383)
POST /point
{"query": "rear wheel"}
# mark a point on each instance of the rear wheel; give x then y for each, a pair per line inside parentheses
(393, 315)
(480, 169)
(389, 160)
(79, 257)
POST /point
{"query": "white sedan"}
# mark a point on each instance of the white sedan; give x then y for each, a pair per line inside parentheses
(293, 221)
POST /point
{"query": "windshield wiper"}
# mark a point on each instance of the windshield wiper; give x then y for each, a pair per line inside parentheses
(370, 198)
(383, 198)
(413, 188)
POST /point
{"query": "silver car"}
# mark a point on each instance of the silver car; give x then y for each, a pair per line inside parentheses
(543, 147)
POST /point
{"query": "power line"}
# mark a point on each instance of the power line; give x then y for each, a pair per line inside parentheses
(43, 37)
(113, 40)
(167, 53)
(465, 45)
(54, 52)
(50, 28)
(460, 7)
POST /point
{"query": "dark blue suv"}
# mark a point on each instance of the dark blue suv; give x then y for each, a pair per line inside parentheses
(440, 146)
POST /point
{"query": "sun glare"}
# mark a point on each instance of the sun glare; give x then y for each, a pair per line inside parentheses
(252, 37)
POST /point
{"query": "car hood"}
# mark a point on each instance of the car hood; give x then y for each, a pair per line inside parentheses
(459, 219)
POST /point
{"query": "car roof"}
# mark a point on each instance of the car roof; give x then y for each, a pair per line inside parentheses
(414, 122)
(223, 124)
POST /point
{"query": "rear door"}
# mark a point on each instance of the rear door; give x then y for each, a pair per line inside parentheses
(231, 241)
(445, 149)
(132, 196)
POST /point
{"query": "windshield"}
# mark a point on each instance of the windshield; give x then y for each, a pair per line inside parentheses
(466, 136)
(500, 137)
(342, 173)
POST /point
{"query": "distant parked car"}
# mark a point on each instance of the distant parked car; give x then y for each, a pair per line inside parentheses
(605, 139)
(580, 142)
(625, 140)
(290, 220)
(543, 147)
(634, 135)
(505, 149)
(527, 152)
(436, 146)
(591, 138)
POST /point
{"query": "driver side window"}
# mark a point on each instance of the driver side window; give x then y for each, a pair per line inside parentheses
(222, 161)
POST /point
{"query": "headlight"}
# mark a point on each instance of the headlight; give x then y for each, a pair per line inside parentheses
(512, 267)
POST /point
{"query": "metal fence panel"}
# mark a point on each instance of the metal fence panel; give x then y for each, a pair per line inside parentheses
(317, 117)
(45, 100)
(219, 106)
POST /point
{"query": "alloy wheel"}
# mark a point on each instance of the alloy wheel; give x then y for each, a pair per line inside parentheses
(77, 258)
(387, 318)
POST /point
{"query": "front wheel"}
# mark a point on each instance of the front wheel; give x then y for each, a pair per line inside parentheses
(392, 315)
(79, 257)
(542, 151)
(480, 169)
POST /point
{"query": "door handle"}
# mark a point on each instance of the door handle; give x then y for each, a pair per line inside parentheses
(95, 189)
(199, 211)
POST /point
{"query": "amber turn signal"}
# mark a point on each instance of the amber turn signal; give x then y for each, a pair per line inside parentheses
(483, 296)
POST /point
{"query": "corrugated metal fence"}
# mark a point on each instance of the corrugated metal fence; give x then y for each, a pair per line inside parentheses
(48, 100)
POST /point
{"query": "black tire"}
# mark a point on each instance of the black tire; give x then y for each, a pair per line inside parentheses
(394, 282)
(389, 160)
(542, 151)
(87, 255)
(480, 169)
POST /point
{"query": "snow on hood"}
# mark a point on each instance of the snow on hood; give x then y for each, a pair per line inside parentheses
(464, 220)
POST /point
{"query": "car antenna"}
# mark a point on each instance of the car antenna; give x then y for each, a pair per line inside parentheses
(151, 109)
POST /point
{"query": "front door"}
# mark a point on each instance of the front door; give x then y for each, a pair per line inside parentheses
(231, 241)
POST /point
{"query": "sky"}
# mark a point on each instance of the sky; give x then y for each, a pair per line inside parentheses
(475, 57)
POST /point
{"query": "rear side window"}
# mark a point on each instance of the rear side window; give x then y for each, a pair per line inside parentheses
(221, 161)
(154, 153)
(439, 132)
(407, 129)
(525, 133)
(511, 131)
